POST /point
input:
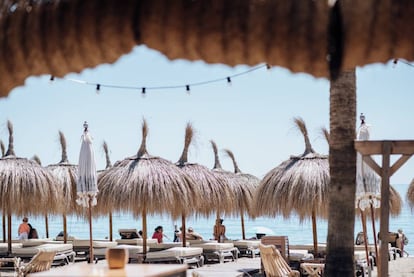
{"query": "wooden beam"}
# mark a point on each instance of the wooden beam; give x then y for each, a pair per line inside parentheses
(374, 147)
(371, 163)
(399, 163)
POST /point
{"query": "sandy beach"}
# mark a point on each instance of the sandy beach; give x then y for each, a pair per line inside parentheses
(401, 267)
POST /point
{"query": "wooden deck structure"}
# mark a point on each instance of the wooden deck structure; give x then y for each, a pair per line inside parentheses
(385, 148)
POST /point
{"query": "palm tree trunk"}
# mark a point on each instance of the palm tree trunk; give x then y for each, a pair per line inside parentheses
(342, 162)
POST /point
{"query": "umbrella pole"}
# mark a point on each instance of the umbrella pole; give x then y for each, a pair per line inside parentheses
(183, 230)
(47, 226)
(90, 229)
(144, 231)
(364, 229)
(110, 227)
(4, 228)
(242, 225)
(375, 235)
(9, 236)
(315, 234)
(65, 229)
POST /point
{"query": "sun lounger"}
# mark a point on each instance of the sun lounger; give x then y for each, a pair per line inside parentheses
(247, 247)
(128, 233)
(136, 241)
(4, 248)
(188, 255)
(64, 252)
(81, 246)
(41, 261)
(134, 252)
(219, 251)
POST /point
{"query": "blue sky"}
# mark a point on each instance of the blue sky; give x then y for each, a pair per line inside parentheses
(253, 116)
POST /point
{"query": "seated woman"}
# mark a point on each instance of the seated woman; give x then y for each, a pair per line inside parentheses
(191, 235)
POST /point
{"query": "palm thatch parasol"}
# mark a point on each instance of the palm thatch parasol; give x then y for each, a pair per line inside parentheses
(66, 175)
(39, 162)
(244, 193)
(410, 194)
(299, 185)
(26, 187)
(108, 165)
(144, 184)
(3, 152)
(214, 190)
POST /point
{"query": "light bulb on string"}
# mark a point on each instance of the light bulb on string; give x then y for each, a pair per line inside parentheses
(187, 89)
(52, 78)
(98, 88)
(395, 61)
(229, 81)
(143, 92)
(268, 66)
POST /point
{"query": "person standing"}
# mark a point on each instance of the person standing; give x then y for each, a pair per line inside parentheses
(401, 241)
(24, 229)
(219, 230)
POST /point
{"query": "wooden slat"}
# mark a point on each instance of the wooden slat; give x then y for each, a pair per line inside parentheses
(374, 147)
(399, 163)
(371, 163)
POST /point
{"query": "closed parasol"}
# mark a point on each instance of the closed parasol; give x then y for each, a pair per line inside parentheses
(65, 175)
(87, 183)
(214, 190)
(144, 184)
(299, 185)
(27, 188)
(247, 185)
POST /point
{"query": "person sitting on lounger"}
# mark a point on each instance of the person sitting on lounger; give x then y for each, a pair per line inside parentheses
(158, 234)
(191, 235)
(24, 229)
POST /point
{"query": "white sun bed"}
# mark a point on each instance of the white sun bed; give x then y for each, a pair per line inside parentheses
(219, 251)
(81, 246)
(298, 255)
(134, 252)
(64, 252)
(189, 255)
(4, 247)
(136, 241)
(247, 247)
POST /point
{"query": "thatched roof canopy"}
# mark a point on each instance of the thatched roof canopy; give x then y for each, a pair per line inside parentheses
(145, 182)
(66, 174)
(410, 194)
(299, 184)
(26, 187)
(42, 37)
(214, 193)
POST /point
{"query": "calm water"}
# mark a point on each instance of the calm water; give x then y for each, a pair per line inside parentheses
(298, 233)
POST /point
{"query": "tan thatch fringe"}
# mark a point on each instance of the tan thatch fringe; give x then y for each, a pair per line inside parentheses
(231, 155)
(108, 160)
(326, 134)
(217, 164)
(37, 159)
(143, 148)
(189, 132)
(302, 127)
(3, 148)
(63, 145)
(10, 150)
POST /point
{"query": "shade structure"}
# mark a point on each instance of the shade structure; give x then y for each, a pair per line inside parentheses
(26, 187)
(410, 194)
(247, 185)
(214, 191)
(39, 162)
(65, 175)
(145, 184)
(87, 183)
(298, 185)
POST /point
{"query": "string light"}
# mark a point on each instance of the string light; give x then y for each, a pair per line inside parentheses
(187, 86)
(52, 78)
(395, 61)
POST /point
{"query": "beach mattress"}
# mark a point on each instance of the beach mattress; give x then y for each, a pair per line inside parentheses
(251, 244)
(36, 242)
(136, 241)
(133, 250)
(298, 255)
(84, 243)
(216, 246)
(175, 253)
(30, 251)
(165, 245)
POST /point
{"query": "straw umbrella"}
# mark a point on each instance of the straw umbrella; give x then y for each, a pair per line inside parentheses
(65, 174)
(299, 184)
(215, 191)
(3, 152)
(87, 183)
(144, 184)
(108, 165)
(26, 187)
(39, 162)
(410, 194)
(244, 194)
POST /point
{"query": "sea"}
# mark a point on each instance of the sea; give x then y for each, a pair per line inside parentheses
(297, 232)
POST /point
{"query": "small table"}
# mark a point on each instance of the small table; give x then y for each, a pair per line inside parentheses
(101, 269)
(313, 268)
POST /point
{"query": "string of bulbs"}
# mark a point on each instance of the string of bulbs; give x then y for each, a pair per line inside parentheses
(144, 89)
